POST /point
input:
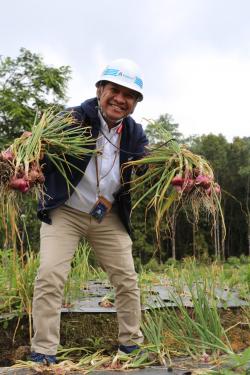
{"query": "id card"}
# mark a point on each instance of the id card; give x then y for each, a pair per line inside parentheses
(101, 208)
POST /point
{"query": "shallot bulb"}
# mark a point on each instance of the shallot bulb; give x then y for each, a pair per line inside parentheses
(26, 134)
(188, 185)
(196, 172)
(217, 188)
(7, 155)
(19, 184)
(203, 181)
(208, 191)
(35, 174)
(177, 181)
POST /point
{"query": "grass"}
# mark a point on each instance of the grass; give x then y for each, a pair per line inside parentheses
(196, 331)
(81, 272)
(235, 364)
(153, 328)
(17, 275)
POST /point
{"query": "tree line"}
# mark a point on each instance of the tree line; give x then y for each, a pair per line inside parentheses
(28, 86)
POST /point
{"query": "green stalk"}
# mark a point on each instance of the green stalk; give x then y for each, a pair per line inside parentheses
(164, 163)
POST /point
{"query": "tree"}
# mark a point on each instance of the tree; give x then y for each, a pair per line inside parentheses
(166, 122)
(28, 85)
(214, 148)
(230, 162)
(239, 183)
(244, 171)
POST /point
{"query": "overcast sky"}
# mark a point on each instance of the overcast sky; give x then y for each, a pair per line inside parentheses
(195, 54)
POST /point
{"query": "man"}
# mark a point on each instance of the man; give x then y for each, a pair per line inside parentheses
(98, 209)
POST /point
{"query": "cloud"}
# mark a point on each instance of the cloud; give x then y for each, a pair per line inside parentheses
(194, 53)
(205, 93)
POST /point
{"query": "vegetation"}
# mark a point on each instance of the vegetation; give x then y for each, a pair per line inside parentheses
(188, 256)
(230, 163)
(189, 324)
(28, 85)
(176, 179)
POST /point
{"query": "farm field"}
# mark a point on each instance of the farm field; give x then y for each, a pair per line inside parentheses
(192, 310)
(189, 195)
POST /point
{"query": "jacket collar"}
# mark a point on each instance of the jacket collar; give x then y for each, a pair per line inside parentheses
(90, 109)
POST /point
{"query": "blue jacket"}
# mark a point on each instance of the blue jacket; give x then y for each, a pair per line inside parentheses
(133, 141)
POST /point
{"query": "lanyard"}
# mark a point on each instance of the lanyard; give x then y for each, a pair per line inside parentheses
(99, 178)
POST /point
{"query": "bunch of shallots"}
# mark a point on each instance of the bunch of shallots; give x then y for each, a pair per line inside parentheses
(56, 135)
(16, 178)
(176, 178)
(193, 179)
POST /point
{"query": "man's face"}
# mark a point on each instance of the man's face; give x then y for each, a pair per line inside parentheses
(116, 101)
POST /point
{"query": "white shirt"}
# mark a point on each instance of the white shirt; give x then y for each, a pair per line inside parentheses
(86, 193)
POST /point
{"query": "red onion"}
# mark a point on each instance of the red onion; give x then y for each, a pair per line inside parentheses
(19, 184)
(177, 181)
(7, 155)
(26, 134)
(196, 172)
(217, 189)
(188, 173)
(203, 181)
(33, 175)
(208, 191)
(178, 188)
(41, 178)
(188, 185)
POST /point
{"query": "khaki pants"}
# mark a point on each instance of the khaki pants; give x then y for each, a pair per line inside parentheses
(112, 246)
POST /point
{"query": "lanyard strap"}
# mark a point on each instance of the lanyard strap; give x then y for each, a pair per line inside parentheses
(98, 178)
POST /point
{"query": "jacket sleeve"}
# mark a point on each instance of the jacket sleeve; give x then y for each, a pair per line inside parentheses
(140, 150)
(140, 142)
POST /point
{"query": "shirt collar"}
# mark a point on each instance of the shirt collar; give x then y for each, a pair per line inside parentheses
(104, 125)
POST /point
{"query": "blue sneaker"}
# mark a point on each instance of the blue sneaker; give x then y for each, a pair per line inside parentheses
(136, 351)
(127, 349)
(44, 359)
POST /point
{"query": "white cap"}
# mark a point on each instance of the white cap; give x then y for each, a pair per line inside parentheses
(124, 72)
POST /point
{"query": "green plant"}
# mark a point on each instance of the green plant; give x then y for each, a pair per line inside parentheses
(17, 276)
(81, 272)
(199, 328)
(153, 265)
(235, 261)
(244, 259)
(95, 343)
(171, 262)
(235, 363)
(177, 178)
(57, 136)
(153, 329)
(25, 282)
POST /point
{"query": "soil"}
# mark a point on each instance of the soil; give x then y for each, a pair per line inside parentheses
(102, 329)
(76, 330)
(239, 335)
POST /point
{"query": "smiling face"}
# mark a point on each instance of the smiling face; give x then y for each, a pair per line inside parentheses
(116, 102)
